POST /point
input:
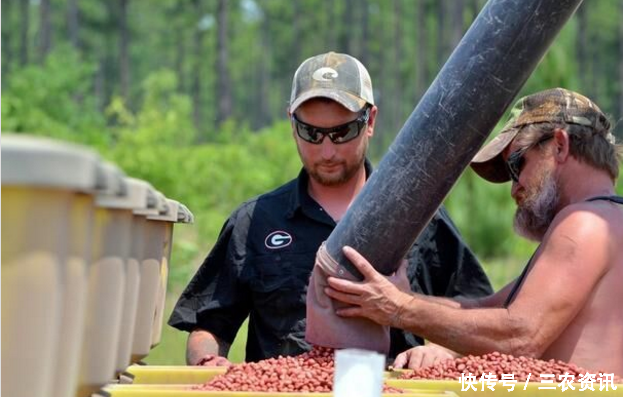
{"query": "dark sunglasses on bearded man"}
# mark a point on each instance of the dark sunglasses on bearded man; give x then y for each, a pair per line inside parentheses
(339, 134)
(516, 161)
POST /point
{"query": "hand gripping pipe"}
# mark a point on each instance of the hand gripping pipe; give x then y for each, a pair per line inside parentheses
(453, 119)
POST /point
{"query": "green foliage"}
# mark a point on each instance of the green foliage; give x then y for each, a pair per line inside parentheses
(556, 68)
(155, 144)
(164, 118)
(54, 99)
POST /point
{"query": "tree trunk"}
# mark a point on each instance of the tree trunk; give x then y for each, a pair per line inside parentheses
(421, 67)
(24, 11)
(397, 75)
(354, 16)
(441, 36)
(45, 30)
(456, 20)
(345, 26)
(264, 100)
(7, 45)
(180, 58)
(474, 7)
(98, 85)
(223, 93)
(296, 32)
(365, 32)
(582, 48)
(107, 75)
(334, 26)
(124, 61)
(73, 20)
(195, 89)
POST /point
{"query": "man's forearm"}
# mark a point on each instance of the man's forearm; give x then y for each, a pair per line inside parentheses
(201, 344)
(472, 331)
(457, 303)
(490, 301)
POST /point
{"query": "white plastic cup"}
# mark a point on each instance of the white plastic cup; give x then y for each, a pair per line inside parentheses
(358, 373)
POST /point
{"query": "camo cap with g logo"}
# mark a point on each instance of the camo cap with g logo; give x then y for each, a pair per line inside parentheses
(339, 77)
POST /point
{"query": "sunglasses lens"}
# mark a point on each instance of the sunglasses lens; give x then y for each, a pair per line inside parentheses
(345, 133)
(514, 165)
(308, 133)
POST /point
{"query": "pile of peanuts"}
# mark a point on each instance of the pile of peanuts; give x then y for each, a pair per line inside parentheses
(308, 372)
(498, 364)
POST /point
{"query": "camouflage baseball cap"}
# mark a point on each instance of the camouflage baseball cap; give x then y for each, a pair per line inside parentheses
(339, 77)
(556, 105)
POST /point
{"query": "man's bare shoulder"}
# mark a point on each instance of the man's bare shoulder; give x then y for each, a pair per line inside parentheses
(587, 229)
(590, 216)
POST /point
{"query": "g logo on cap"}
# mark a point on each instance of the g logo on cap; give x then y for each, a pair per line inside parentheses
(324, 74)
(277, 240)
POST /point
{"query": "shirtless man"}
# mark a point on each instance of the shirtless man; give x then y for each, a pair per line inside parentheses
(559, 153)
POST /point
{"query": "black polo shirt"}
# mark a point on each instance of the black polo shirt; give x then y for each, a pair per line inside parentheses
(262, 260)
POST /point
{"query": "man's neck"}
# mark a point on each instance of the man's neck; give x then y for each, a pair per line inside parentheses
(335, 200)
(584, 185)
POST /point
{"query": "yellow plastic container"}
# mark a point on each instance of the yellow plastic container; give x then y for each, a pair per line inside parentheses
(183, 216)
(172, 374)
(154, 275)
(153, 204)
(47, 192)
(532, 388)
(185, 391)
(107, 282)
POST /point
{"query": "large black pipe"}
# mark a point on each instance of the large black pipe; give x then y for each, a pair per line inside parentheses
(453, 119)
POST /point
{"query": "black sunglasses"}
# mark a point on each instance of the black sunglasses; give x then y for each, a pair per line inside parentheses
(339, 134)
(516, 161)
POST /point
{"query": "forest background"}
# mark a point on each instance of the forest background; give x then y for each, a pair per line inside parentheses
(191, 95)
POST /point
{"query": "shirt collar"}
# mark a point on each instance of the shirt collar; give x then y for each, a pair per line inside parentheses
(300, 196)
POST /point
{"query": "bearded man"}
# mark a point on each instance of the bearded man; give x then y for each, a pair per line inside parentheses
(562, 159)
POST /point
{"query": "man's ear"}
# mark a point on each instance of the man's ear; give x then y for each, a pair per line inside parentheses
(372, 120)
(291, 123)
(561, 145)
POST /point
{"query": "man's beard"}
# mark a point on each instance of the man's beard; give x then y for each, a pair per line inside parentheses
(537, 211)
(346, 173)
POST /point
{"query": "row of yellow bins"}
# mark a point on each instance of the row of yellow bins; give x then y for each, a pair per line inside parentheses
(177, 381)
(85, 252)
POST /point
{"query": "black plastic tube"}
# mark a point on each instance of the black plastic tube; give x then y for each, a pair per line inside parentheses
(453, 119)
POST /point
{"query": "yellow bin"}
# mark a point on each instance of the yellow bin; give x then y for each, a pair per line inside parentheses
(154, 204)
(47, 192)
(154, 274)
(531, 389)
(172, 374)
(107, 281)
(183, 216)
(185, 391)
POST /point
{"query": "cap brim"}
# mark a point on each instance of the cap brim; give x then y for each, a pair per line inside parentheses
(348, 100)
(489, 163)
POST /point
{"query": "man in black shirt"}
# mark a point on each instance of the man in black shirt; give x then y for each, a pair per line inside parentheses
(261, 263)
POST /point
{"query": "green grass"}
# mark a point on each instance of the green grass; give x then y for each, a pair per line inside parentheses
(172, 348)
